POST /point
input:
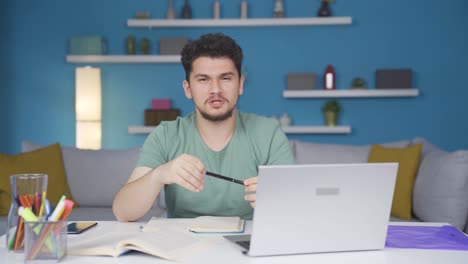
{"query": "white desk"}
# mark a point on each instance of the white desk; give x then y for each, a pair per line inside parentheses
(225, 252)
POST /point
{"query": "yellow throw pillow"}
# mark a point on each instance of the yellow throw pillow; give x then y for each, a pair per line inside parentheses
(47, 160)
(408, 164)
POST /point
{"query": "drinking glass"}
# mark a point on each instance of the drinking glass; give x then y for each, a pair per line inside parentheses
(27, 190)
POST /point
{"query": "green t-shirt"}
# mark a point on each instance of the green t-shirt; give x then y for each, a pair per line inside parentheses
(256, 141)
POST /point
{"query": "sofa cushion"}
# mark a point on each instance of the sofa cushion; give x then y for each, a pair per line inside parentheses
(95, 176)
(315, 153)
(441, 188)
(47, 160)
(408, 163)
(427, 146)
(3, 225)
(396, 219)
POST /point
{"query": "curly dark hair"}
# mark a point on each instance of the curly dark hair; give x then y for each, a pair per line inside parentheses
(214, 46)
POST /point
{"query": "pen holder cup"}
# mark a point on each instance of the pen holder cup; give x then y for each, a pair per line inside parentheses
(27, 190)
(45, 241)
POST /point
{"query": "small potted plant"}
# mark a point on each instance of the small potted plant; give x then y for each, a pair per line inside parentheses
(331, 109)
(324, 10)
(358, 83)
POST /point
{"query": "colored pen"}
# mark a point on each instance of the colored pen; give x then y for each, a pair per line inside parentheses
(24, 201)
(36, 204)
(224, 178)
(46, 208)
(68, 206)
(41, 208)
(57, 211)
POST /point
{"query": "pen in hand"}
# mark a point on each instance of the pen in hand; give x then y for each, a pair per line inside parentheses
(224, 178)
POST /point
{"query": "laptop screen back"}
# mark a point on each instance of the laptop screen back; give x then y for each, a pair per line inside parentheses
(322, 208)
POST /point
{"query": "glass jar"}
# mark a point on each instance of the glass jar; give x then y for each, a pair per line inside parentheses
(130, 45)
(145, 46)
(27, 190)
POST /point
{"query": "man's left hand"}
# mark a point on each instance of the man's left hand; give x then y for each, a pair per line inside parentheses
(251, 189)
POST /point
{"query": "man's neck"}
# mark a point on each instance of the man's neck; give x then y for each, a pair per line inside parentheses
(216, 135)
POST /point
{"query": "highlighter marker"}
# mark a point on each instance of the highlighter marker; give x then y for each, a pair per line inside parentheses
(49, 217)
(27, 214)
(57, 211)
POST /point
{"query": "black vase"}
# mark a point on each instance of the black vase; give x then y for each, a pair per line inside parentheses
(324, 10)
(186, 10)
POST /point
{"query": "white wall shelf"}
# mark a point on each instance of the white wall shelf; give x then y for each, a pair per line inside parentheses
(249, 22)
(287, 129)
(316, 129)
(123, 58)
(140, 129)
(351, 93)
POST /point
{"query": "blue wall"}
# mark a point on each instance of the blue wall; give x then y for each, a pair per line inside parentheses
(5, 84)
(37, 88)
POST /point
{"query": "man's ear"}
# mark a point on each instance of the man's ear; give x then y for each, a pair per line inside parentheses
(187, 90)
(241, 84)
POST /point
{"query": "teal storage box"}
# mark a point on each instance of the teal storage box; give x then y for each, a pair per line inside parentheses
(86, 45)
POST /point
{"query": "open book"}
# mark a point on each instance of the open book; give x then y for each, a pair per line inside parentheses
(167, 244)
(217, 224)
(201, 224)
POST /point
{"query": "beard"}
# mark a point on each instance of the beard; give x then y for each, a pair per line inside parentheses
(219, 117)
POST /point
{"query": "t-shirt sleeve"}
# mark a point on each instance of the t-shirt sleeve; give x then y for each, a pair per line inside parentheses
(280, 149)
(154, 152)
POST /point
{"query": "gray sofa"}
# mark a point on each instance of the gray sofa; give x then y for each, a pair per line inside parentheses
(440, 193)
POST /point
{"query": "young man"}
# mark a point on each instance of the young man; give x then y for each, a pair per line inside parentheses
(215, 138)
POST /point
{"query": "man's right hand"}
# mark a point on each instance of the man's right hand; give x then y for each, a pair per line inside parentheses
(186, 171)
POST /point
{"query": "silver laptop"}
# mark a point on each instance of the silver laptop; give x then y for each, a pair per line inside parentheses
(320, 208)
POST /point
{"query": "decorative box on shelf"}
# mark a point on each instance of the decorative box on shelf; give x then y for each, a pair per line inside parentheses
(393, 78)
(161, 104)
(302, 81)
(154, 116)
(87, 45)
(172, 46)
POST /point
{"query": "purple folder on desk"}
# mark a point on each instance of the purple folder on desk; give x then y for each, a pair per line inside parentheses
(426, 237)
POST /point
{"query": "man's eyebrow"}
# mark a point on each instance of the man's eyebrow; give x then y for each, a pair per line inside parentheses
(226, 74)
(200, 75)
(203, 75)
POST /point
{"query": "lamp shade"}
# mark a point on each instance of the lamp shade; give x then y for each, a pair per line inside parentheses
(88, 108)
(88, 135)
(88, 94)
